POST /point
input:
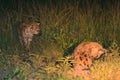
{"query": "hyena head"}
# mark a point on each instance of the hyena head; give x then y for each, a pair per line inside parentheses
(96, 50)
(34, 27)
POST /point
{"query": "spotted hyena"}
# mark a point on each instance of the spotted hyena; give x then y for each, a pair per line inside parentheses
(84, 54)
(26, 32)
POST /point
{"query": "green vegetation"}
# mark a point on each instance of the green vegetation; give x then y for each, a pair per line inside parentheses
(64, 24)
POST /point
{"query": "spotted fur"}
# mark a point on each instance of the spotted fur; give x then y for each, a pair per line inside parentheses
(84, 54)
(26, 32)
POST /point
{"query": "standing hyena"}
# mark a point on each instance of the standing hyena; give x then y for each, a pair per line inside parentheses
(26, 32)
(84, 54)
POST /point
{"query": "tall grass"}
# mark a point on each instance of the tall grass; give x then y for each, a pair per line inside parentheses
(63, 23)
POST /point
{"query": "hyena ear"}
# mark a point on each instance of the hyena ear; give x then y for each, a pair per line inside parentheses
(38, 23)
(23, 24)
(103, 51)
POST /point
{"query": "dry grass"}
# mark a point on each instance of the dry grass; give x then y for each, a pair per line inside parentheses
(106, 70)
(39, 67)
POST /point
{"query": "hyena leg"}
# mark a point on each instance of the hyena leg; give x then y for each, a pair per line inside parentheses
(21, 40)
(20, 37)
(28, 46)
(28, 43)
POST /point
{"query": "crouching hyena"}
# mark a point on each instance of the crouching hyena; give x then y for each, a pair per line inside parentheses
(26, 32)
(84, 54)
